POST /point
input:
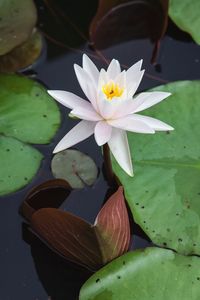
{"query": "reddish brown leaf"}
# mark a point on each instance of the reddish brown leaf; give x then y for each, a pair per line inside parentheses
(72, 237)
(112, 227)
(48, 194)
(121, 20)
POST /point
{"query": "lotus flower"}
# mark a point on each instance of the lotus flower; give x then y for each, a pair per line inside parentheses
(111, 110)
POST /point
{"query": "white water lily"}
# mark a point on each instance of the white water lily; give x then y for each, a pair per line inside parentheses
(111, 109)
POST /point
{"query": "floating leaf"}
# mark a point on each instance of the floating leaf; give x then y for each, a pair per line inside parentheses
(19, 163)
(17, 20)
(151, 274)
(27, 112)
(121, 20)
(22, 56)
(90, 246)
(75, 167)
(164, 194)
(51, 193)
(185, 15)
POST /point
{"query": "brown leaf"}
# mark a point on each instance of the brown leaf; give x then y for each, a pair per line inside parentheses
(112, 227)
(72, 237)
(48, 194)
(121, 20)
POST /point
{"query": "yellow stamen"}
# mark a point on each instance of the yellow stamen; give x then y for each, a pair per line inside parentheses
(112, 89)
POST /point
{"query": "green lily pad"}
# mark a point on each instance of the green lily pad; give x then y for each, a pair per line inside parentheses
(164, 194)
(27, 112)
(23, 55)
(77, 168)
(185, 14)
(152, 274)
(17, 20)
(19, 164)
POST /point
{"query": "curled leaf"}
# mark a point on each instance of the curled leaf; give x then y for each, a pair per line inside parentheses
(51, 193)
(113, 228)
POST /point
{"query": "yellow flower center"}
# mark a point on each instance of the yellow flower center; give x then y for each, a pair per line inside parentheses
(111, 90)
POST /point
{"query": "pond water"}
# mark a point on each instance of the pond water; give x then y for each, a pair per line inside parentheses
(28, 269)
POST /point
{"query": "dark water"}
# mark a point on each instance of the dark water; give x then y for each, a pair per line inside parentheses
(28, 269)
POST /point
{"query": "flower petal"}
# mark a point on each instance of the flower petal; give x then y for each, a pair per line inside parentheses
(133, 82)
(78, 133)
(87, 113)
(131, 124)
(91, 69)
(86, 85)
(153, 123)
(68, 99)
(146, 100)
(119, 147)
(102, 132)
(113, 69)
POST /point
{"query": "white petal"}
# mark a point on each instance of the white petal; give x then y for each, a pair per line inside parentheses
(102, 133)
(133, 82)
(87, 113)
(119, 147)
(80, 132)
(131, 124)
(146, 100)
(91, 69)
(68, 99)
(153, 123)
(113, 69)
(134, 69)
(87, 86)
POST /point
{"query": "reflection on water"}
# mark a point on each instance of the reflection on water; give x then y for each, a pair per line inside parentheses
(35, 272)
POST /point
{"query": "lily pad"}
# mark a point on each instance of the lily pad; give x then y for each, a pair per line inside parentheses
(23, 55)
(185, 14)
(27, 112)
(164, 194)
(152, 274)
(19, 164)
(17, 20)
(77, 168)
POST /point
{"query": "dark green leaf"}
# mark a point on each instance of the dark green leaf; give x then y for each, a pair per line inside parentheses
(164, 194)
(151, 274)
(19, 164)
(27, 112)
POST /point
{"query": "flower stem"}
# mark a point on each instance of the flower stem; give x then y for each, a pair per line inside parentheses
(108, 164)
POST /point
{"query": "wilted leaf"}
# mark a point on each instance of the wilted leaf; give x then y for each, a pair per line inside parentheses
(120, 20)
(164, 194)
(17, 20)
(76, 167)
(185, 14)
(150, 274)
(27, 112)
(90, 246)
(18, 164)
(22, 56)
(51, 193)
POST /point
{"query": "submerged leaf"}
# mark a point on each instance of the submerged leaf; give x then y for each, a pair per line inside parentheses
(17, 20)
(18, 164)
(27, 112)
(121, 20)
(185, 14)
(90, 246)
(76, 167)
(164, 194)
(24, 55)
(136, 275)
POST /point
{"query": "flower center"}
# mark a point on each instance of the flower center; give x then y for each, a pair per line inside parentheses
(112, 89)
